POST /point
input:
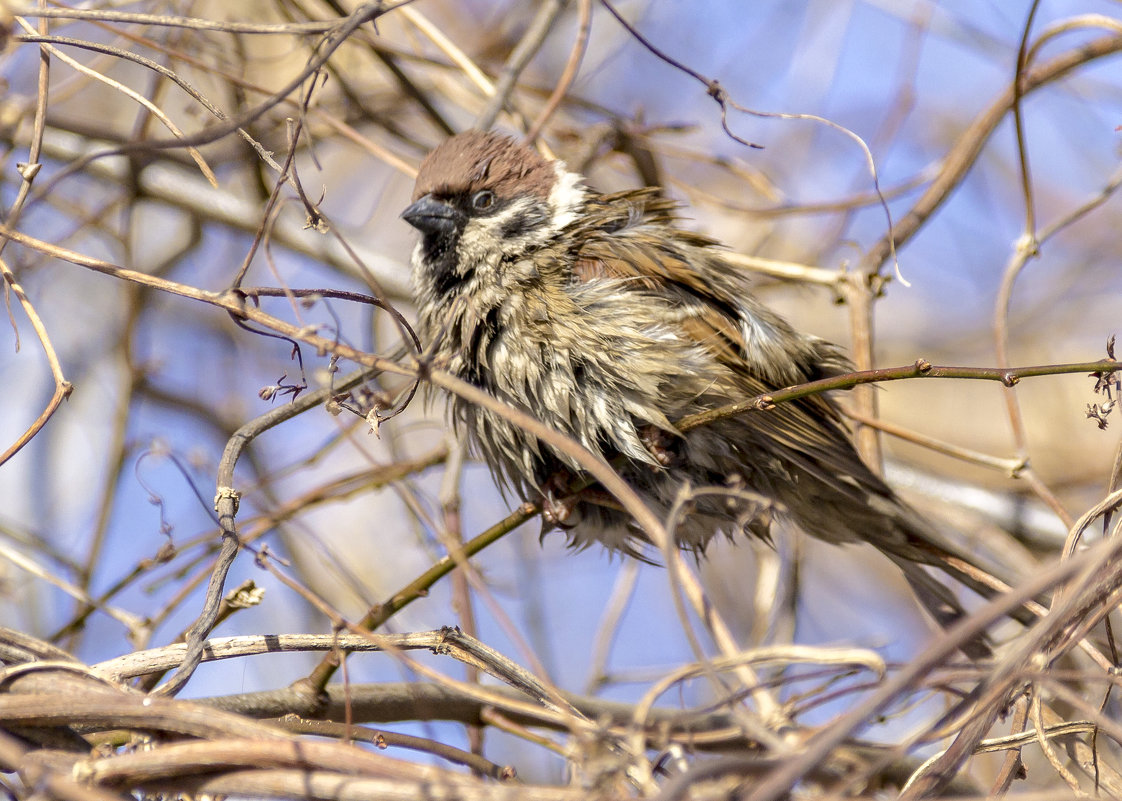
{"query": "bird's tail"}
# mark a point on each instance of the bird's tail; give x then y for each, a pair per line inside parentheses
(942, 605)
(916, 546)
(867, 510)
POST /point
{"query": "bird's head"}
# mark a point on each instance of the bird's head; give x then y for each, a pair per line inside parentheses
(483, 200)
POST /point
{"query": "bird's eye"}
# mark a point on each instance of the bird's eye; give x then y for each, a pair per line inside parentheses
(484, 199)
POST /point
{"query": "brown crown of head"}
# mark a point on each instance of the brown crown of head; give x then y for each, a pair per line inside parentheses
(475, 160)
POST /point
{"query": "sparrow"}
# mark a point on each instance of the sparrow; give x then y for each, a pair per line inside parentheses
(602, 317)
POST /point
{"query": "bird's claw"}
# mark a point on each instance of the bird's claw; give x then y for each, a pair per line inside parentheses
(558, 500)
(660, 444)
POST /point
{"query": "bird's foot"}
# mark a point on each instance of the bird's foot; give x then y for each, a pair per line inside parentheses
(559, 500)
(660, 444)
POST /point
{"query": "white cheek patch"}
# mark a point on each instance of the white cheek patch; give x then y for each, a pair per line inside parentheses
(496, 223)
(491, 243)
(476, 234)
(497, 229)
(565, 201)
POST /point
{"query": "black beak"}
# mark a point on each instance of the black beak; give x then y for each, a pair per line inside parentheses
(431, 216)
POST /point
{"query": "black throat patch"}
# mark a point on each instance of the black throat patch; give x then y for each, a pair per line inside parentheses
(439, 251)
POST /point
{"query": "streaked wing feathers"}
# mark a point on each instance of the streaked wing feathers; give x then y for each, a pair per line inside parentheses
(808, 430)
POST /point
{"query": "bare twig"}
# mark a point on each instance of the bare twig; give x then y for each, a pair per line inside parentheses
(920, 369)
(531, 41)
